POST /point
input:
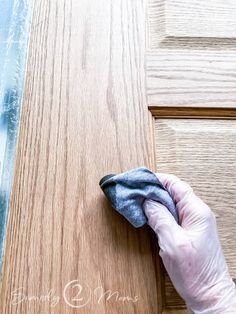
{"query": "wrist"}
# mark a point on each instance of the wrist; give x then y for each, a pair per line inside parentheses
(219, 300)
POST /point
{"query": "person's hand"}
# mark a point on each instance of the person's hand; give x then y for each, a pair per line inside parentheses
(191, 251)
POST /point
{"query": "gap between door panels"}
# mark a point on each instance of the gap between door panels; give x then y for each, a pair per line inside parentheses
(192, 113)
(171, 112)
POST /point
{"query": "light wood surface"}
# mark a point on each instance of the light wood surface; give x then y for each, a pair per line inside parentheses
(84, 115)
(202, 153)
(191, 58)
(200, 18)
(187, 77)
(92, 75)
(192, 19)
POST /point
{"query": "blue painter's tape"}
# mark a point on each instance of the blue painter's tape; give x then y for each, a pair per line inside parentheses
(15, 17)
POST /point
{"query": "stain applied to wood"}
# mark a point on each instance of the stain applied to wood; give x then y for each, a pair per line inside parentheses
(84, 115)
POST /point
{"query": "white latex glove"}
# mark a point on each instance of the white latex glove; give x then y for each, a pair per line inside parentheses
(192, 253)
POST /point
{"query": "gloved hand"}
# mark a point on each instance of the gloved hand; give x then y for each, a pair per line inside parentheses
(191, 252)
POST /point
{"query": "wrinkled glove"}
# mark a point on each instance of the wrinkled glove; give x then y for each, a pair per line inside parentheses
(191, 251)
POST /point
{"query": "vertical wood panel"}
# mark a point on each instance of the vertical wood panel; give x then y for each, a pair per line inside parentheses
(84, 115)
(202, 153)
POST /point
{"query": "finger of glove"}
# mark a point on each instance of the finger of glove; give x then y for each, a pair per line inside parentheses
(192, 210)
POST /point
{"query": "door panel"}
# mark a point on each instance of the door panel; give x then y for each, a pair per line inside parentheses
(201, 151)
(191, 93)
(200, 18)
(191, 59)
(191, 19)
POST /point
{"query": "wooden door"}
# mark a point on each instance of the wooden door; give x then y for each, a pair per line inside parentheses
(112, 85)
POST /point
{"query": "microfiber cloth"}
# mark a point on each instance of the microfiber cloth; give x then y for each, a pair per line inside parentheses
(127, 192)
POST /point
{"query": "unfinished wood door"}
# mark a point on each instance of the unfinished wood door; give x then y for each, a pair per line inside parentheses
(112, 85)
(191, 93)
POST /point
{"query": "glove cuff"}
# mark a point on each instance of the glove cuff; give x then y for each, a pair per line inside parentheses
(226, 305)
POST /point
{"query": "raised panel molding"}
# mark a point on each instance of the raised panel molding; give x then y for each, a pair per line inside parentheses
(169, 20)
(197, 145)
(191, 57)
(200, 18)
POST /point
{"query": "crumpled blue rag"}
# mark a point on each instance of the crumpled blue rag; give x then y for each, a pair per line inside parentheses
(127, 192)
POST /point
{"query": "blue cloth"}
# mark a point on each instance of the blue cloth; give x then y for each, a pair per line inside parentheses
(127, 192)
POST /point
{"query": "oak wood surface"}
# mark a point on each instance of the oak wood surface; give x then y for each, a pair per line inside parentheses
(84, 115)
(201, 152)
(200, 18)
(191, 58)
(185, 77)
(192, 19)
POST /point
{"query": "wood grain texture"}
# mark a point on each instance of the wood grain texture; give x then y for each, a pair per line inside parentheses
(191, 58)
(202, 153)
(180, 311)
(212, 22)
(191, 78)
(200, 18)
(172, 299)
(84, 115)
(155, 23)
